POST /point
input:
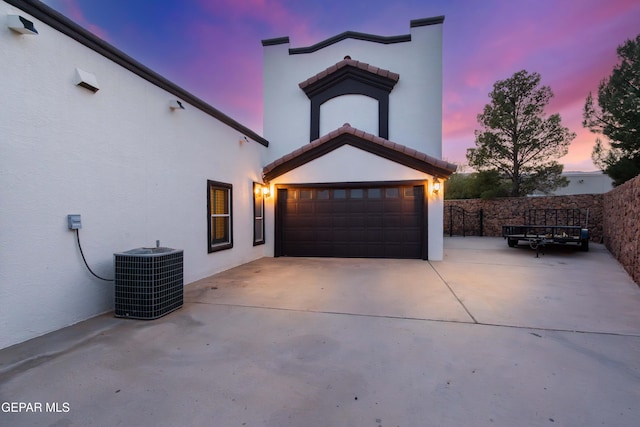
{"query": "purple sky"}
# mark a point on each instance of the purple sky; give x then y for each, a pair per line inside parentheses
(212, 48)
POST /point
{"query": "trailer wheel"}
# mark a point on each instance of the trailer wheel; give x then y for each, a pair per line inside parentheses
(584, 245)
(512, 243)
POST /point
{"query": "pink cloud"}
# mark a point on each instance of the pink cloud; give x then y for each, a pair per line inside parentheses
(227, 77)
(579, 156)
(459, 122)
(74, 12)
(572, 51)
(270, 14)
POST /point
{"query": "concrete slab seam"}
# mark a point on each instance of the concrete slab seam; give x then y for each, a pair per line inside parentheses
(453, 293)
(426, 319)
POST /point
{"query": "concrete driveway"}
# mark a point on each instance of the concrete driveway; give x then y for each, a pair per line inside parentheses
(491, 336)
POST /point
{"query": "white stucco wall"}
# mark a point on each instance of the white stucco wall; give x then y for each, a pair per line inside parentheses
(135, 170)
(360, 111)
(350, 164)
(415, 114)
(415, 117)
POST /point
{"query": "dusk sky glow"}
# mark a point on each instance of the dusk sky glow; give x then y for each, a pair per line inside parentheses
(212, 48)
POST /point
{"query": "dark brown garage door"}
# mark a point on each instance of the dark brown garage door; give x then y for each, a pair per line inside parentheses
(368, 222)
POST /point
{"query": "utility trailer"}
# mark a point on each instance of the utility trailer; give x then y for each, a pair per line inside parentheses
(550, 226)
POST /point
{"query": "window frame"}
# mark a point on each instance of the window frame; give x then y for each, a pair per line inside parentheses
(211, 246)
(258, 194)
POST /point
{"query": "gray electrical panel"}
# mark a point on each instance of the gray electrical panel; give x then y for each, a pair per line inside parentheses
(74, 222)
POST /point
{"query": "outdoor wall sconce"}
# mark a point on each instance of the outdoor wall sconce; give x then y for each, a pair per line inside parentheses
(436, 185)
(87, 80)
(21, 25)
(174, 104)
(262, 189)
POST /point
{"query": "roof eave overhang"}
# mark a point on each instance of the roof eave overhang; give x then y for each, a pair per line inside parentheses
(390, 151)
(64, 25)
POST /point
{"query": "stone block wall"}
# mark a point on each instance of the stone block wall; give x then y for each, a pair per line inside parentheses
(621, 210)
(499, 212)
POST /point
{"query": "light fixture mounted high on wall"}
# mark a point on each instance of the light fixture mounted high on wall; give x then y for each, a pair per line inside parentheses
(21, 25)
(436, 185)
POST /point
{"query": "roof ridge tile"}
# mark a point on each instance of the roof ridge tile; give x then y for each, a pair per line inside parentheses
(351, 63)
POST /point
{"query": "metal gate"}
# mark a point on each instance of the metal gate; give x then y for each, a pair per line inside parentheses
(460, 222)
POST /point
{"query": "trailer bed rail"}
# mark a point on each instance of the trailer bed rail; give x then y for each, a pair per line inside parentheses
(549, 226)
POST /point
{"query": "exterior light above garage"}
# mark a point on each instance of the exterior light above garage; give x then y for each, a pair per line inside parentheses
(436, 185)
(262, 189)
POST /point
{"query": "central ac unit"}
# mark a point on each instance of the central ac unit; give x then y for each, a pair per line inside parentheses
(148, 282)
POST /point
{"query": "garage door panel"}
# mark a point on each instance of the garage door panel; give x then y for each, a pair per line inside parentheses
(324, 235)
(357, 235)
(340, 221)
(300, 235)
(299, 222)
(394, 235)
(322, 249)
(371, 220)
(357, 205)
(323, 207)
(340, 208)
(375, 250)
(374, 205)
(305, 208)
(375, 235)
(353, 222)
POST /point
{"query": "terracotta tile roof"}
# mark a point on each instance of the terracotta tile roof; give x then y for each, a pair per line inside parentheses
(425, 162)
(348, 62)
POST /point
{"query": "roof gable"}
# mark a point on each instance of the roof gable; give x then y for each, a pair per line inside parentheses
(349, 77)
(347, 135)
(349, 68)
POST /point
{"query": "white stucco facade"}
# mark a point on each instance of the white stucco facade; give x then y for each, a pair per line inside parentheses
(136, 166)
(133, 168)
(415, 110)
(359, 111)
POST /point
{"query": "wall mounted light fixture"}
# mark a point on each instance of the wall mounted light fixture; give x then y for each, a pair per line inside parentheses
(87, 80)
(436, 185)
(21, 25)
(262, 189)
(174, 104)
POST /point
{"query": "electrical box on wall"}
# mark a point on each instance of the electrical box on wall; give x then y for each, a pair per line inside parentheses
(74, 222)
